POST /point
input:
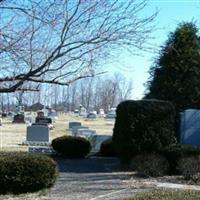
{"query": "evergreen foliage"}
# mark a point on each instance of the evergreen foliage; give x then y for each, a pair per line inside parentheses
(71, 146)
(143, 126)
(175, 75)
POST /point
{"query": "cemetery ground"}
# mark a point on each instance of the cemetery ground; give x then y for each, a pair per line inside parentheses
(12, 135)
(94, 178)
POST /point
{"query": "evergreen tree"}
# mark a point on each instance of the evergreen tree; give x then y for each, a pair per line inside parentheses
(175, 76)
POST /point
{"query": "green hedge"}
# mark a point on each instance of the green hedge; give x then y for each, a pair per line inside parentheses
(21, 173)
(175, 152)
(71, 147)
(143, 126)
(107, 148)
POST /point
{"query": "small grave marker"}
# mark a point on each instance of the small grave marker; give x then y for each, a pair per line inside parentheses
(71, 124)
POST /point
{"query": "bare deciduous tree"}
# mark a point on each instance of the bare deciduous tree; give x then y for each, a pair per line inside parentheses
(61, 41)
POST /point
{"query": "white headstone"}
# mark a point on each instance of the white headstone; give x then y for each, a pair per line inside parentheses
(37, 133)
(96, 141)
(82, 112)
(101, 112)
(85, 133)
(75, 129)
(190, 127)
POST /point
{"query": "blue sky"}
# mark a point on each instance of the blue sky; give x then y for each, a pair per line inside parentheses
(171, 13)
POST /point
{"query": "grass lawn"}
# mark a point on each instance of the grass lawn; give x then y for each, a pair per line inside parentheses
(12, 135)
(167, 195)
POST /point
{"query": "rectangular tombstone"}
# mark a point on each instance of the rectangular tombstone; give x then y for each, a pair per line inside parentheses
(19, 118)
(71, 124)
(190, 127)
(85, 133)
(96, 141)
(43, 120)
(91, 116)
(75, 129)
(37, 134)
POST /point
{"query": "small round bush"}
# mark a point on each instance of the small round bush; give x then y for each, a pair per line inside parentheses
(150, 165)
(175, 152)
(21, 172)
(71, 147)
(107, 148)
(189, 167)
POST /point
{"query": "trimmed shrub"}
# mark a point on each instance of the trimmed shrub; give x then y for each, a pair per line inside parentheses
(21, 172)
(175, 152)
(71, 147)
(107, 148)
(150, 165)
(143, 126)
(189, 167)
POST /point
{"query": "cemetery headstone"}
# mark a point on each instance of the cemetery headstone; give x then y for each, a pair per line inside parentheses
(190, 127)
(53, 115)
(96, 141)
(101, 112)
(45, 112)
(82, 112)
(111, 115)
(4, 115)
(75, 129)
(41, 149)
(87, 133)
(18, 118)
(76, 112)
(43, 120)
(71, 124)
(91, 116)
(37, 134)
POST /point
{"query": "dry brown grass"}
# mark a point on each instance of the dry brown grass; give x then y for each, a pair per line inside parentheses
(12, 135)
(29, 196)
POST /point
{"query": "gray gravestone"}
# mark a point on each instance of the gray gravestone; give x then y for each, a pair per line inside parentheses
(91, 116)
(71, 124)
(85, 133)
(96, 141)
(75, 129)
(190, 127)
(37, 134)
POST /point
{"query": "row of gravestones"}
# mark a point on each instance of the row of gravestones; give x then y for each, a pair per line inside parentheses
(38, 136)
(190, 131)
(78, 130)
(93, 115)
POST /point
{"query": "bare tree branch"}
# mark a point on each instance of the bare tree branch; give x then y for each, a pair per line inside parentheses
(59, 42)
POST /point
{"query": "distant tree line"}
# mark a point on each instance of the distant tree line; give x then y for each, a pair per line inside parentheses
(92, 93)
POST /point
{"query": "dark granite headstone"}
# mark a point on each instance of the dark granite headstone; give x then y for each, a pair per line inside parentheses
(43, 120)
(71, 124)
(18, 118)
(91, 116)
(4, 114)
